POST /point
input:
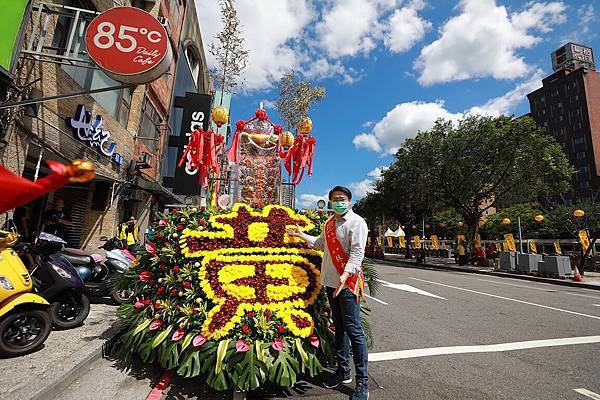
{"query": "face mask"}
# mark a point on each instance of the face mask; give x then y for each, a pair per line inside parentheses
(340, 207)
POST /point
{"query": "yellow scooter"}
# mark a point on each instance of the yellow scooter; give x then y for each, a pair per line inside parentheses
(24, 320)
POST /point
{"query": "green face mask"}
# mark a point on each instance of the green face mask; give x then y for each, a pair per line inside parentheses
(340, 207)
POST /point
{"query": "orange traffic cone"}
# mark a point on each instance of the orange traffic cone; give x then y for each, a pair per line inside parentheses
(577, 276)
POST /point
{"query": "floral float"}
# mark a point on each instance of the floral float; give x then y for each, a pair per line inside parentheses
(229, 297)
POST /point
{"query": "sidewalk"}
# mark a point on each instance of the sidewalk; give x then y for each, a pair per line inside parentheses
(591, 279)
(64, 354)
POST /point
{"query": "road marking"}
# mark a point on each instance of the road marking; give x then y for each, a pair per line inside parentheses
(596, 305)
(377, 300)
(588, 393)
(508, 298)
(537, 288)
(408, 288)
(489, 348)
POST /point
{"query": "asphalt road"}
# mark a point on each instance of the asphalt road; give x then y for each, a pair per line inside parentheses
(434, 340)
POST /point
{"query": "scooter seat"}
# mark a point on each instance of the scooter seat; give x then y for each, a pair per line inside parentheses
(78, 260)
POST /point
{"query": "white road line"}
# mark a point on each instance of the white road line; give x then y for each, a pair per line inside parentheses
(490, 348)
(588, 393)
(596, 305)
(538, 288)
(408, 288)
(377, 300)
(509, 299)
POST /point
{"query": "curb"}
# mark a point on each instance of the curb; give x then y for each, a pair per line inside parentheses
(492, 273)
(75, 366)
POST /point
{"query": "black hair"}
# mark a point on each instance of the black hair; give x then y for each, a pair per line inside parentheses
(342, 189)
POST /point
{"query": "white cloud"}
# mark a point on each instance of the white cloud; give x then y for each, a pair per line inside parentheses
(268, 104)
(402, 122)
(405, 28)
(310, 200)
(586, 26)
(506, 103)
(360, 189)
(376, 173)
(323, 68)
(272, 29)
(483, 41)
(353, 27)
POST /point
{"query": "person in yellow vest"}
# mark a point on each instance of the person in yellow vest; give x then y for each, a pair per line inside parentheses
(129, 232)
(462, 253)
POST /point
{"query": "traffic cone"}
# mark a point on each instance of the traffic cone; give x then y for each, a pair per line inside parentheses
(577, 276)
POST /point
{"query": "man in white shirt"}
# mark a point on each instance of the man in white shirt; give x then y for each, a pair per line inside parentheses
(343, 242)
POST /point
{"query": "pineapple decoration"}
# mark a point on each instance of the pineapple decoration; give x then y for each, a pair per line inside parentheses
(305, 126)
(286, 139)
(220, 116)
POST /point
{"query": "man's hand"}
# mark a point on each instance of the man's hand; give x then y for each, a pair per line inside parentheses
(344, 276)
(294, 231)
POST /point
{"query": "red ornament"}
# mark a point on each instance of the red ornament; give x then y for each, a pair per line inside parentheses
(174, 292)
(242, 346)
(187, 285)
(246, 329)
(251, 314)
(163, 266)
(300, 157)
(201, 154)
(314, 340)
(160, 290)
(261, 115)
(140, 304)
(277, 129)
(176, 269)
(178, 335)
(278, 344)
(154, 325)
(281, 329)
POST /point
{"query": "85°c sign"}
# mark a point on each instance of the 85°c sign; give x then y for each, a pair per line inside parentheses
(129, 44)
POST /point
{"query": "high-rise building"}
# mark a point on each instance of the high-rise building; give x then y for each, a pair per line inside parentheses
(567, 106)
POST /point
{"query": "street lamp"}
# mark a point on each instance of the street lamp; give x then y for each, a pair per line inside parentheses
(321, 204)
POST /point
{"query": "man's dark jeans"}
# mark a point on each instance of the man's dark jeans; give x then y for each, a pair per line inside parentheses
(346, 318)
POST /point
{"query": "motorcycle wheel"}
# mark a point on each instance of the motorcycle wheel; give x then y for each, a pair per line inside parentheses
(121, 296)
(22, 332)
(70, 310)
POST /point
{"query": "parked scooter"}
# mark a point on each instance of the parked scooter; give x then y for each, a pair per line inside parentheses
(24, 319)
(98, 272)
(56, 280)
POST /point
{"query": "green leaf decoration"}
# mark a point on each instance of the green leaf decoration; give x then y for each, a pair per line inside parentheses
(207, 356)
(251, 372)
(284, 370)
(221, 351)
(168, 355)
(146, 352)
(217, 381)
(142, 326)
(161, 336)
(186, 341)
(190, 367)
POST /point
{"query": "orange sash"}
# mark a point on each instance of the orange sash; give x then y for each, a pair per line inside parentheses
(339, 258)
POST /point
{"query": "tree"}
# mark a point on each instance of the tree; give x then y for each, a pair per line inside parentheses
(473, 165)
(296, 98)
(229, 51)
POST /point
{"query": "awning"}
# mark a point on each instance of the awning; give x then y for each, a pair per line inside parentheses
(164, 194)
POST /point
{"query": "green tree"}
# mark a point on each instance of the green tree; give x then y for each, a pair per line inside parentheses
(473, 165)
(296, 98)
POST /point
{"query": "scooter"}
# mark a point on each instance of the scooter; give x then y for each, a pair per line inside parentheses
(98, 272)
(56, 280)
(24, 319)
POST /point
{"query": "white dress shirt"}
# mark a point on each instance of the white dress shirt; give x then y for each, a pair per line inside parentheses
(352, 231)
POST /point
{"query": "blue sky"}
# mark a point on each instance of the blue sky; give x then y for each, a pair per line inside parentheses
(391, 67)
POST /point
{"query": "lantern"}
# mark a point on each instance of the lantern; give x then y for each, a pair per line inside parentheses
(460, 223)
(505, 221)
(286, 139)
(81, 171)
(539, 218)
(414, 227)
(220, 116)
(305, 126)
(427, 226)
(578, 213)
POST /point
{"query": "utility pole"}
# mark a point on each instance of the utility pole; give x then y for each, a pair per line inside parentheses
(520, 236)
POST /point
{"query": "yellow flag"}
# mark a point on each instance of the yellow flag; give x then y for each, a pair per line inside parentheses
(510, 242)
(389, 241)
(378, 241)
(557, 248)
(434, 242)
(368, 239)
(533, 247)
(417, 241)
(584, 238)
(402, 242)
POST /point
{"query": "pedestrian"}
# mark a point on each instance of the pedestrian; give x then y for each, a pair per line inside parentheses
(455, 250)
(462, 253)
(57, 219)
(128, 233)
(490, 251)
(344, 234)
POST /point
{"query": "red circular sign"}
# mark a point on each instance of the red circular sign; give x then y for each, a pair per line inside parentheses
(129, 44)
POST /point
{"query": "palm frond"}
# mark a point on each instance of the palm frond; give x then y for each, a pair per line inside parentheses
(371, 277)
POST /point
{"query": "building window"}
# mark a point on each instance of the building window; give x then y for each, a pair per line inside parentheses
(571, 85)
(575, 112)
(125, 106)
(557, 106)
(543, 111)
(554, 93)
(584, 170)
(579, 140)
(577, 125)
(193, 63)
(573, 99)
(581, 155)
(560, 118)
(150, 125)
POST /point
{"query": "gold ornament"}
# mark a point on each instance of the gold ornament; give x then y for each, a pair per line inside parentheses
(460, 223)
(305, 126)
(81, 171)
(286, 139)
(539, 218)
(220, 116)
(578, 213)
(505, 221)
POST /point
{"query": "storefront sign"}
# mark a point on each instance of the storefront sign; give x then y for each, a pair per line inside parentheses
(196, 114)
(129, 44)
(93, 133)
(13, 13)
